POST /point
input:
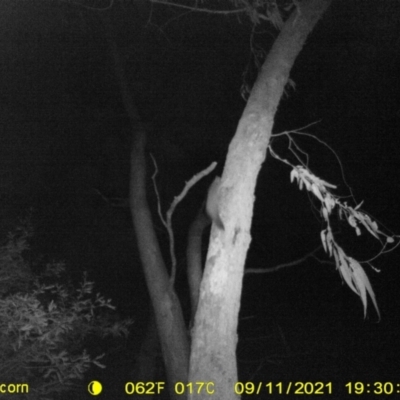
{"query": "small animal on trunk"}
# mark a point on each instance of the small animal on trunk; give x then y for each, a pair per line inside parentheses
(212, 205)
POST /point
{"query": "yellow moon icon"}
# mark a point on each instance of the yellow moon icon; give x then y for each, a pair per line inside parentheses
(95, 388)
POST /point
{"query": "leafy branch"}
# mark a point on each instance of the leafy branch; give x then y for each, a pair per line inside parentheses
(349, 268)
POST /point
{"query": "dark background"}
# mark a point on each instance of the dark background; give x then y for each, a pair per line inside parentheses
(65, 136)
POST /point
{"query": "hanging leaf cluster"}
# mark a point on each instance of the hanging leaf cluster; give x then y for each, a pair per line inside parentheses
(350, 269)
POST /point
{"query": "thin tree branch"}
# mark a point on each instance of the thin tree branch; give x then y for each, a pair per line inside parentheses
(288, 264)
(153, 178)
(171, 210)
(204, 10)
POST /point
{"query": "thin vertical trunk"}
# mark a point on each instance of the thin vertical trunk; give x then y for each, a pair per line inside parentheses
(167, 309)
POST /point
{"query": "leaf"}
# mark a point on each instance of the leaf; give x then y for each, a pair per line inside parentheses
(294, 173)
(330, 241)
(327, 184)
(317, 193)
(323, 240)
(27, 327)
(99, 364)
(52, 306)
(352, 221)
(346, 273)
(357, 207)
(362, 282)
(335, 255)
(370, 225)
(327, 202)
(359, 281)
(325, 213)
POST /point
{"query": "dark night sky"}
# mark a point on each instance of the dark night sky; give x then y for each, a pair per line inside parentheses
(65, 135)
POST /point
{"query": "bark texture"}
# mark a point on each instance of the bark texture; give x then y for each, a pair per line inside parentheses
(213, 353)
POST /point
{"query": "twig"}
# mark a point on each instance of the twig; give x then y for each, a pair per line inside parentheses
(285, 265)
(196, 9)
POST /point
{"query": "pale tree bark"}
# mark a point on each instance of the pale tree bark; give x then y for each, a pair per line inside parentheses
(214, 340)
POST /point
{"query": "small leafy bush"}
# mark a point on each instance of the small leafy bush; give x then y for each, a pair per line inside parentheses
(44, 324)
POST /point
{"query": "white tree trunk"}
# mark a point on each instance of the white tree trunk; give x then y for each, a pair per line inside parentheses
(213, 352)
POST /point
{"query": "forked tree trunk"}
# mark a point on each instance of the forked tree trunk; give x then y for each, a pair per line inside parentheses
(213, 352)
(167, 309)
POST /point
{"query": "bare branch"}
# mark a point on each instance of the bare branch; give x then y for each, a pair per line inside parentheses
(153, 178)
(285, 265)
(171, 210)
(196, 9)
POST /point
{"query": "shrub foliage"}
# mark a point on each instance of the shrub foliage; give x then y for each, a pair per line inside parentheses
(44, 323)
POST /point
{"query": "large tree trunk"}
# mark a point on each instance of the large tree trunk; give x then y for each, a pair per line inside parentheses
(213, 355)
